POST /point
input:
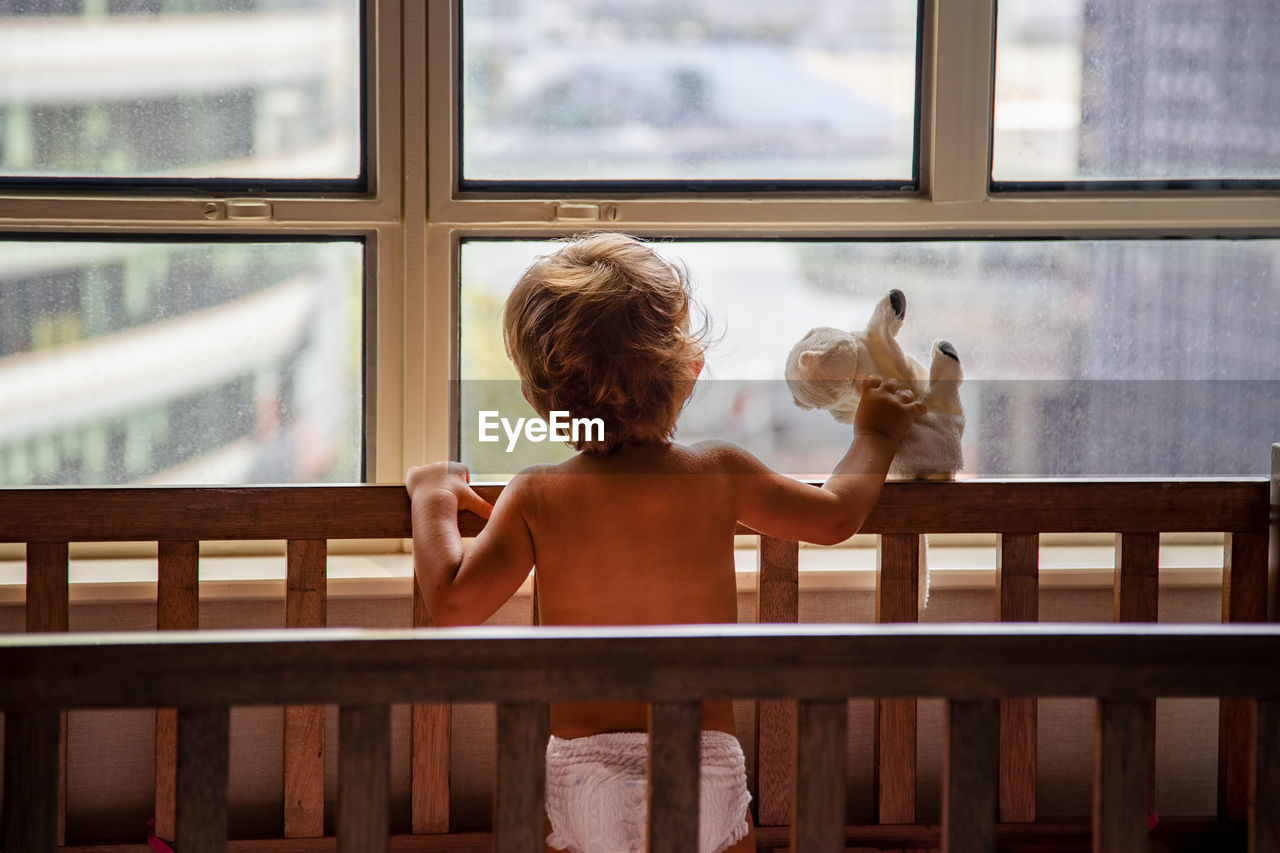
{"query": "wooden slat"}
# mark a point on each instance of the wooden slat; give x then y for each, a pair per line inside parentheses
(1137, 577)
(305, 588)
(895, 757)
(1244, 599)
(519, 800)
(364, 778)
(429, 760)
(1273, 561)
(203, 760)
(1018, 745)
(675, 764)
(822, 738)
(428, 752)
(1123, 761)
(1018, 577)
(1137, 599)
(971, 777)
(305, 607)
(897, 578)
(304, 771)
(177, 609)
(777, 601)
(1018, 600)
(775, 760)
(778, 590)
(48, 609)
(1264, 792)
(897, 600)
(32, 769)
(178, 586)
(166, 793)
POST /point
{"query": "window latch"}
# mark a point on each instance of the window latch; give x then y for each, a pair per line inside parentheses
(584, 212)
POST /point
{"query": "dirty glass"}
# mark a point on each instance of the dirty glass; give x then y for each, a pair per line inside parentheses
(1136, 90)
(1082, 358)
(230, 89)
(588, 90)
(168, 362)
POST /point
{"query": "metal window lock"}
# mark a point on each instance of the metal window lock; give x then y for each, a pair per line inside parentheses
(584, 212)
(248, 209)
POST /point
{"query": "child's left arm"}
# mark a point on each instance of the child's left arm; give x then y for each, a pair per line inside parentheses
(465, 585)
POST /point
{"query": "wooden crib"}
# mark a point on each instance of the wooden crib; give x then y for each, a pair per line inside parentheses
(990, 674)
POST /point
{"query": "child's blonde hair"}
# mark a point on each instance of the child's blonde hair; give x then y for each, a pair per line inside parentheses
(602, 328)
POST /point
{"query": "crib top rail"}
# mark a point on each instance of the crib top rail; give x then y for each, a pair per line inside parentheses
(663, 663)
(106, 514)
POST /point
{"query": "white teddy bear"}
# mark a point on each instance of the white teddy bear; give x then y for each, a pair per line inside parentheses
(826, 368)
(825, 371)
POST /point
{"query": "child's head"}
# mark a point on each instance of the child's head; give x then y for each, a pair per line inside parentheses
(601, 328)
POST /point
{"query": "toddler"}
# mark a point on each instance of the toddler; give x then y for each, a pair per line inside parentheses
(634, 529)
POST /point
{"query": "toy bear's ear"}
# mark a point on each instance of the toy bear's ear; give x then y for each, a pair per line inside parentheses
(809, 360)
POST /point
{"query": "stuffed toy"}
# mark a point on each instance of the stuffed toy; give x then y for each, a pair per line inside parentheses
(826, 368)
(825, 371)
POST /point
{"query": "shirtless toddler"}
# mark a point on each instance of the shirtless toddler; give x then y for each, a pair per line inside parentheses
(634, 529)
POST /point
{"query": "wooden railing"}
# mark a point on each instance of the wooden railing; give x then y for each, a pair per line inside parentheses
(364, 672)
(47, 520)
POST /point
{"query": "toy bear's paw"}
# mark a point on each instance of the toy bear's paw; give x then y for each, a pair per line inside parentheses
(889, 313)
(945, 366)
(898, 302)
(945, 376)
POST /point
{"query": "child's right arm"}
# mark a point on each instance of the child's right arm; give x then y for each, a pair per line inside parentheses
(465, 585)
(782, 506)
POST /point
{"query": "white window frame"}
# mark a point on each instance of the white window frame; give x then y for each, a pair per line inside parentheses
(953, 199)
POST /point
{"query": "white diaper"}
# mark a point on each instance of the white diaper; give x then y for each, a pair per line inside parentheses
(597, 795)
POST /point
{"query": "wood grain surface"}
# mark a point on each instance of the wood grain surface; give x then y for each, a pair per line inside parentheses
(777, 601)
(1018, 600)
(110, 514)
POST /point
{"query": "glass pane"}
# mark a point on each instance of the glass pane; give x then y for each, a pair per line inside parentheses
(702, 89)
(150, 362)
(180, 88)
(1087, 358)
(1135, 90)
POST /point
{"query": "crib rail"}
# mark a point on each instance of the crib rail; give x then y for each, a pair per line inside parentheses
(206, 673)
(107, 514)
(179, 518)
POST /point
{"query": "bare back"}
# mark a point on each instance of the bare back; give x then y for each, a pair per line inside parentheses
(643, 536)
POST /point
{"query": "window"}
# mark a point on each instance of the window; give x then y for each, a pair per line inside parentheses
(1078, 353)
(602, 91)
(802, 157)
(219, 91)
(1105, 321)
(1175, 92)
(161, 318)
(162, 362)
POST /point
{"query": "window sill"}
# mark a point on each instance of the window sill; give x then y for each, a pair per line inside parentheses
(1195, 562)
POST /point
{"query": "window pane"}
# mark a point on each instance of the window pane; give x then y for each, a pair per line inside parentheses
(159, 362)
(191, 89)
(1086, 358)
(1136, 89)
(589, 90)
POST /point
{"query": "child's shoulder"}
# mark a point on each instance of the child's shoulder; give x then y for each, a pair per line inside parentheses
(713, 457)
(725, 457)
